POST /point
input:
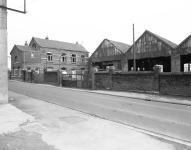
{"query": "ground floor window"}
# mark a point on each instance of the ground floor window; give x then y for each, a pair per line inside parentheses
(187, 67)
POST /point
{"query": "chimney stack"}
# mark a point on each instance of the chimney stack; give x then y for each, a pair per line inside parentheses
(26, 44)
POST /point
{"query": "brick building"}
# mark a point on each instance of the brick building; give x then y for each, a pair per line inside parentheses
(44, 55)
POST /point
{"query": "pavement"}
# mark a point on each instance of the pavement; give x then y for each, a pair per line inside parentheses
(28, 124)
(149, 97)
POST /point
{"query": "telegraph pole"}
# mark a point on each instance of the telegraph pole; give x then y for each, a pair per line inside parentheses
(3, 54)
(134, 53)
(3, 49)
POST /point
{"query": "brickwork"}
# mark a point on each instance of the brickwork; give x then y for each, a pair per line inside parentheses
(127, 82)
(165, 83)
(175, 84)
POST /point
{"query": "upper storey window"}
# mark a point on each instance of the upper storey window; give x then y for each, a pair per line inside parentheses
(73, 58)
(49, 56)
(83, 58)
(63, 57)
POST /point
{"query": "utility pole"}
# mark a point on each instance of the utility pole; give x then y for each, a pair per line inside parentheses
(3, 54)
(134, 53)
(3, 49)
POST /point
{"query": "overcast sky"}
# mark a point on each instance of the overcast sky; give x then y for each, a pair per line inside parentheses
(90, 21)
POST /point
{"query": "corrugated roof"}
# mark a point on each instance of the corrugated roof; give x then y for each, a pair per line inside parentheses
(59, 45)
(173, 45)
(121, 46)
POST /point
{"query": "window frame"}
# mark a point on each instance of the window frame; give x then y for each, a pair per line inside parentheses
(64, 57)
(49, 56)
(73, 58)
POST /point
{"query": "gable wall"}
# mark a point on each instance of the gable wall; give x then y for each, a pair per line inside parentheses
(106, 49)
(149, 46)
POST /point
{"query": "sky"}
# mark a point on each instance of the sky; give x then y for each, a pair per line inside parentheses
(90, 21)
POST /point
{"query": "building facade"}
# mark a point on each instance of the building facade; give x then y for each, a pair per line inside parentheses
(48, 55)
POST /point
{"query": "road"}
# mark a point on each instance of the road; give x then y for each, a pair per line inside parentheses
(171, 120)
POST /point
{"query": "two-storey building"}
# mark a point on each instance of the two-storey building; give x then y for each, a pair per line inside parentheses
(48, 55)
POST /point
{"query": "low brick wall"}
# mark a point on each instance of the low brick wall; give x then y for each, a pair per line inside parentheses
(135, 82)
(175, 84)
(103, 80)
(164, 83)
(140, 81)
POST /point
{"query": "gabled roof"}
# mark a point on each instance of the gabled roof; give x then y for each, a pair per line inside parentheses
(121, 46)
(59, 45)
(171, 44)
(184, 40)
(24, 48)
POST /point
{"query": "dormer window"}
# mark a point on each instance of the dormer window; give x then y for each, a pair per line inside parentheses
(49, 56)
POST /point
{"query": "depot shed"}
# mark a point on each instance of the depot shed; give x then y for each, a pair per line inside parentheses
(150, 50)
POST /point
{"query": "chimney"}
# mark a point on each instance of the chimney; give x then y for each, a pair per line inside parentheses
(47, 37)
(76, 42)
(26, 44)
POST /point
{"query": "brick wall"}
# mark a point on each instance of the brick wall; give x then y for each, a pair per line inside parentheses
(175, 84)
(144, 81)
(165, 83)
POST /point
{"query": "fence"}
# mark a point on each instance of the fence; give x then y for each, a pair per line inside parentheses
(73, 80)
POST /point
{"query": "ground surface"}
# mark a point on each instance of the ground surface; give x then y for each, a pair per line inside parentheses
(167, 119)
(53, 127)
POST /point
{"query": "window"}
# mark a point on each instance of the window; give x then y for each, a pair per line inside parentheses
(63, 57)
(32, 55)
(49, 56)
(15, 58)
(187, 67)
(82, 58)
(73, 58)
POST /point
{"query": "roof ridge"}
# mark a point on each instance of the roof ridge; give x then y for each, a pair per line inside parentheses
(119, 42)
(47, 43)
(163, 39)
(189, 36)
(56, 41)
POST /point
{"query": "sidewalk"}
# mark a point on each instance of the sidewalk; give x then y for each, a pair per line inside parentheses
(28, 123)
(149, 97)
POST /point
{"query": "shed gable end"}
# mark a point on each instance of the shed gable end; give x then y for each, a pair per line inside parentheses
(106, 48)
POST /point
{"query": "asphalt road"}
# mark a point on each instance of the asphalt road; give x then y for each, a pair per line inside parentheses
(171, 120)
